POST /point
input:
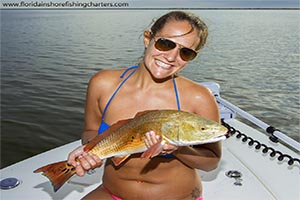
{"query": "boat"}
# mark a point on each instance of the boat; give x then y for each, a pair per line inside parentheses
(254, 165)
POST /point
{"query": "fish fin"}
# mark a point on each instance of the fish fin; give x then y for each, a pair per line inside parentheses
(118, 160)
(103, 135)
(141, 113)
(138, 114)
(108, 131)
(153, 150)
(58, 173)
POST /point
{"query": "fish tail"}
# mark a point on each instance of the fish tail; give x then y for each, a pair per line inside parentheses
(58, 173)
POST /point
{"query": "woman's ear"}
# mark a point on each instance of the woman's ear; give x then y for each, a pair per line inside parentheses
(147, 38)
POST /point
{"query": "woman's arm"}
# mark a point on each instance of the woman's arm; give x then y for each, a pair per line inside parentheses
(81, 160)
(207, 156)
(92, 109)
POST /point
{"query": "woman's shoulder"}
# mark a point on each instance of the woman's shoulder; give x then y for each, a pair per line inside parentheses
(106, 77)
(198, 99)
(104, 81)
(192, 87)
(107, 74)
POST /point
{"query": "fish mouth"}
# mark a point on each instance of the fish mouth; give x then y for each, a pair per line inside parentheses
(227, 132)
(211, 140)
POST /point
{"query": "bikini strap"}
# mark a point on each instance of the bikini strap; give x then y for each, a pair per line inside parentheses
(120, 85)
(128, 69)
(176, 93)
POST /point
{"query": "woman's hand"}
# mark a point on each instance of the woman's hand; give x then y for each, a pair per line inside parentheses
(152, 139)
(83, 161)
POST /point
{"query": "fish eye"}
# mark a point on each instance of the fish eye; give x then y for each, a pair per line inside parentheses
(202, 128)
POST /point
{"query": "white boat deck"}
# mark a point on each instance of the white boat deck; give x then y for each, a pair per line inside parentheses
(263, 177)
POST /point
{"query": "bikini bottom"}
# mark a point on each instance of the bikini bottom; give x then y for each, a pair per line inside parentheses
(117, 198)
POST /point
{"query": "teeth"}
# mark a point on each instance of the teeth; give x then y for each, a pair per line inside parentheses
(162, 64)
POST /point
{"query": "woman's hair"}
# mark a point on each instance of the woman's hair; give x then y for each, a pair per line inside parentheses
(193, 19)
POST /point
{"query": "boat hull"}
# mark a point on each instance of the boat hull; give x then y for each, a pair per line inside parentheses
(263, 177)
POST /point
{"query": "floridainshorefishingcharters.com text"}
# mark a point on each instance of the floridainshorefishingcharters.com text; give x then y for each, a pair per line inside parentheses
(66, 4)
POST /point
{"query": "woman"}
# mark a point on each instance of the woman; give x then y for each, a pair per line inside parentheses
(113, 95)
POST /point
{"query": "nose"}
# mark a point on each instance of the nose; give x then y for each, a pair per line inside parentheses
(171, 54)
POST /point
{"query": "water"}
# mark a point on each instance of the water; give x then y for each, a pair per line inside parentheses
(48, 57)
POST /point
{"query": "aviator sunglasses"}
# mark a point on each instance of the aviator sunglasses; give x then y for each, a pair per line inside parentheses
(186, 54)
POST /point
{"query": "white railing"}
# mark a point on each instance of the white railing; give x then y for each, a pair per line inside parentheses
(281, 136)
(229, 107)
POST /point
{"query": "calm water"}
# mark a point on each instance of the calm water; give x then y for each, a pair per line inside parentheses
(47, 58)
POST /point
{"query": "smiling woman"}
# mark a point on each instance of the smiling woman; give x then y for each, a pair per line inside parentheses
(49, 56)
(164, 44)
(170, 41)
(113, 95)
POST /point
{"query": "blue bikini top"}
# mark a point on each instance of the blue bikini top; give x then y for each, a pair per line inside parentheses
(103, 126)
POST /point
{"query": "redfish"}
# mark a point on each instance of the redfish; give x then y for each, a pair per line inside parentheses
(127, 137)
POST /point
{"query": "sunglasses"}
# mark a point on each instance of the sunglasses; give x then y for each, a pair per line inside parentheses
(186, 54)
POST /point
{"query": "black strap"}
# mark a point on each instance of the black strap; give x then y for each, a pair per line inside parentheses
(265, 148)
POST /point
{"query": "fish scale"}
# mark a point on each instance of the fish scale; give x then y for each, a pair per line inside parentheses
(127, 137)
